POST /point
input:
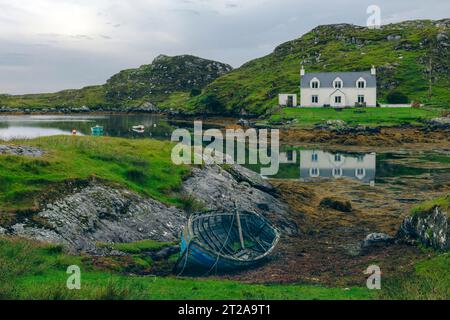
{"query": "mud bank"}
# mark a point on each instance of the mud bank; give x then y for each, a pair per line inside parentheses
(329, 249)
(387, 138)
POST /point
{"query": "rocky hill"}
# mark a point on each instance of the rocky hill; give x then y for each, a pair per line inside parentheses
(408, 55)
(412, 59)
(164, 76)
(165, 81)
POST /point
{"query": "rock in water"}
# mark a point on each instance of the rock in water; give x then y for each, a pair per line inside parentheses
(432, 228)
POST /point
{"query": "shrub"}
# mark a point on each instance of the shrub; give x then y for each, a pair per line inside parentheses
(195, 92)
(397, 97)
(212, 104)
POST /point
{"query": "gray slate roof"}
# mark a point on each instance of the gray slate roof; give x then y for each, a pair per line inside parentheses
(348, 78)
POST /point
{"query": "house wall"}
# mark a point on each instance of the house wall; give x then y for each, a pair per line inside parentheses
(283, 99)
(326, 163)
(351, 96)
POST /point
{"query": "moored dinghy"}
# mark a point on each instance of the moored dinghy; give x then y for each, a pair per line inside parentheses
(218, 242)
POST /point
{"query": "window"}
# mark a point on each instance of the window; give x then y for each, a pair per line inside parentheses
(337, 172)
(314, 172)
(360, 158)
(315, 99)
(338, 84)
(290, 155)
(361, 84)
(361, 98)
(315, 84)
(314, 157)
(337, 158)
(337, 99)
(360, 173)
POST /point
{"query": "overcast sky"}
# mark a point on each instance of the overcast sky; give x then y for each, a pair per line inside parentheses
(49, 45)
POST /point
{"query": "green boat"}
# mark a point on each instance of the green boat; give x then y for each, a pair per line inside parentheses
(97, 130)
(224, 242)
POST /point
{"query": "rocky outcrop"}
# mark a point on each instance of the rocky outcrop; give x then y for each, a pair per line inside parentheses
(21, 151)
(217, 188)
(97, 213)
(432, 228)
(100, 213)
(165, 75)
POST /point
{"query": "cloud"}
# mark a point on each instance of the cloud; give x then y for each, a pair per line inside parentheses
(47, 45)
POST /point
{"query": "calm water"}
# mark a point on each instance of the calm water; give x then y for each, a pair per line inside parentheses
(306, 165)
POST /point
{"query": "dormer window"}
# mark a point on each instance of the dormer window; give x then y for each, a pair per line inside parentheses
(315, 83)
(337, 84)
(361, 83)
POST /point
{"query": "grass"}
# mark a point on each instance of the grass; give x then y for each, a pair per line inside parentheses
(30, 270)
(139, 246)
(143, 166)
(370, 116)
(425, 207)
(430, 280)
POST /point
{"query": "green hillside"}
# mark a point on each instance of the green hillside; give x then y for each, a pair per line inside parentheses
(401, 52)
(410, 57)
(167, 81)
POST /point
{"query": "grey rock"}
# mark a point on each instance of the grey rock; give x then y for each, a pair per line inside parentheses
(242, 174)
(443, 122)
(21, 151)
(377, 239)
(2, 231)
(219, 189)
(103, 214)
(431, 228)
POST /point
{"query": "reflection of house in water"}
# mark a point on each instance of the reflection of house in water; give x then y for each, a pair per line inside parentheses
(288, 157)
(320, 164)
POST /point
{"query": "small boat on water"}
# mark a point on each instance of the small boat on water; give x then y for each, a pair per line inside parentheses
(97, 130)
(139, 127)
(219, 242)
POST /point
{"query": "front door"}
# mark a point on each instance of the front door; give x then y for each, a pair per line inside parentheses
(337, 99)
(290, 101)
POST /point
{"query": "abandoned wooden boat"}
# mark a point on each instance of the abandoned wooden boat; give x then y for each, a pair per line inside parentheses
(219, 242)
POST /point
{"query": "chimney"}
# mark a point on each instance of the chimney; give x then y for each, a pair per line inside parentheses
(373, 71)
(302, 71)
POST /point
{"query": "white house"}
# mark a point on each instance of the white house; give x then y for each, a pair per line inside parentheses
(338, 89)
(319, 164)
(287, 100)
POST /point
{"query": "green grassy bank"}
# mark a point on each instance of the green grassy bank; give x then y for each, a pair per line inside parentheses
(307, 117)
(143, 166)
